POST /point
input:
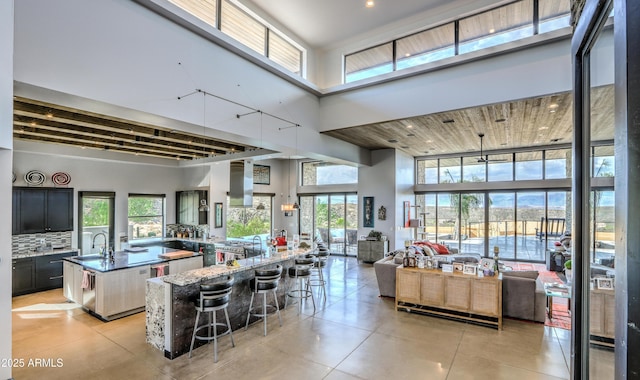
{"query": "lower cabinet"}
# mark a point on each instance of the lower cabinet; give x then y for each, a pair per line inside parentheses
(120, 291)
(72, 281)
(371, 251)
(23, 276)
(602, 316)
(38, 273)
(450, 294)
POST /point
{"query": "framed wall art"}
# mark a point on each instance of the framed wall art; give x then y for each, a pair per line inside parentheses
(367, 214)
(261, 175)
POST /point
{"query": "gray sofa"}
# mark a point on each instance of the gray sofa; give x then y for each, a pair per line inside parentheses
(523, 296)
(522, 291)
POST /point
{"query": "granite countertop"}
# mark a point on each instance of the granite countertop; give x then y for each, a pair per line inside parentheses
(124, 259)
(160, 240)
(22, 254)
(214, 271)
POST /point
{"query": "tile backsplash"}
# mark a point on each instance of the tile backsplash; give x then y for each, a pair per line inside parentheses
(31, 242)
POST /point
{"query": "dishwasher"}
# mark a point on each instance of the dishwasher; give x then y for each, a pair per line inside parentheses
(89, 290)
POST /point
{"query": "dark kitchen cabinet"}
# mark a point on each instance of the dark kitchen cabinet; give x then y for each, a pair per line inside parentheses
(23, 276)
(49, 271)
(35, 274)
(38, 210)
(187, 207)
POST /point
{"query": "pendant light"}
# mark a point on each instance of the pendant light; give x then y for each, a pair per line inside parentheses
(289, 207)
(203, 202)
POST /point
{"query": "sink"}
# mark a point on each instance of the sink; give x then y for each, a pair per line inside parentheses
(87, 257)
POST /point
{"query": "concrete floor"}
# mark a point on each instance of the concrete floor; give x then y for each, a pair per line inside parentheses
(356, 335)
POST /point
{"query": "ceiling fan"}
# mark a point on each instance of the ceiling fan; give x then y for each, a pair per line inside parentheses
(482, 157)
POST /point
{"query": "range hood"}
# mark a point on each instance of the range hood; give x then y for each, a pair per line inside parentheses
(241, 185)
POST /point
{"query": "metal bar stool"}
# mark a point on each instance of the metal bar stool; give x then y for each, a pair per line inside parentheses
(213, 297)
(265, 281)
(320, 257)
(300, 274)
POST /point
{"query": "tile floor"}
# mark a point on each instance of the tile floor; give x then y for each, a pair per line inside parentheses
(356, 335)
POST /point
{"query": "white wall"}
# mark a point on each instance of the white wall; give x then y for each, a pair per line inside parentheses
(147, 62)
(6, 157)
(378, 181)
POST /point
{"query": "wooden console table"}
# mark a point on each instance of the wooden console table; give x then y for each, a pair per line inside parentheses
(453, 295)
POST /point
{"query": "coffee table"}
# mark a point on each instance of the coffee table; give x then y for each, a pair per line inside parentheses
(555, 289)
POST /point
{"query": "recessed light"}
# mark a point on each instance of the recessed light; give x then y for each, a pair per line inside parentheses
(33, 124)
(49, 115)
(410, 134)
(555, 140)
(500, 120)
(369, 4)
(492, 30)
(543, 128)
(407, 54)
(553, 105)
(409, 126)
(392, 141)
(426, 152)
(448, 121)
(429, 141)
(404, 147)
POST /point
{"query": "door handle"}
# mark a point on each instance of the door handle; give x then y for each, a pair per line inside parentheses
(55, 277)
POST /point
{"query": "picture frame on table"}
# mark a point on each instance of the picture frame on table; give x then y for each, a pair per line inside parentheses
(217, 221)
(486, 263)
(367, 215)
(604, 283)
(458, 267)
(470, 269)
(447, 268)
(261, 175)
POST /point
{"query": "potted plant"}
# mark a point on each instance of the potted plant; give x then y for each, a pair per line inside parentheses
(567, 271)
(374, 235)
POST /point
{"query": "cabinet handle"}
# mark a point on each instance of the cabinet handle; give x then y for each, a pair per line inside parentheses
(55, 261)
(55, 277)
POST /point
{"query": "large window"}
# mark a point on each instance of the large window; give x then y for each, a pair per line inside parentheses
(96, 221)
(146, 216)
(332, 218)
(326, 173)
(247, 28)
(504, 24)
(247, 222)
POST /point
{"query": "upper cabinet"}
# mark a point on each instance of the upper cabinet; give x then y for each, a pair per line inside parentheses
(187, 207)
(42, 209)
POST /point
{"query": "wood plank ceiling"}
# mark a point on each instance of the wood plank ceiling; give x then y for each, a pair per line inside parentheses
(45, 122)
(540, 121)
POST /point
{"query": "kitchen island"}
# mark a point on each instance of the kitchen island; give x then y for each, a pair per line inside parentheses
(110, 289)
(170, 312)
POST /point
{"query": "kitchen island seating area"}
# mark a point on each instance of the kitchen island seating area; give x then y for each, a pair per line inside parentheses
(265, 281)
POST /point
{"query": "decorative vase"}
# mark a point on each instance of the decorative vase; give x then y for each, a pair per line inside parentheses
(568, 273)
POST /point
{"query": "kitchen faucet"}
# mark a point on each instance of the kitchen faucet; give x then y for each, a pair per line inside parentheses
(103, 251)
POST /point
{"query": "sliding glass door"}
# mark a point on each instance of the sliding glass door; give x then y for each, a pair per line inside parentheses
(333, 219)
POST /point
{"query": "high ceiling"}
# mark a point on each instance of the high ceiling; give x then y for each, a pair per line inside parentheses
(529, 122)
(326, 22)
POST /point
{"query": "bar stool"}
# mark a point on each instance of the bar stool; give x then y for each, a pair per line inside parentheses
(265, 281)
(320, 257)
(213, 297)
(300, 274)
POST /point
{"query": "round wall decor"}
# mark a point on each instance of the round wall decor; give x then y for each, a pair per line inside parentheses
(61, 178)
(34, 178)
